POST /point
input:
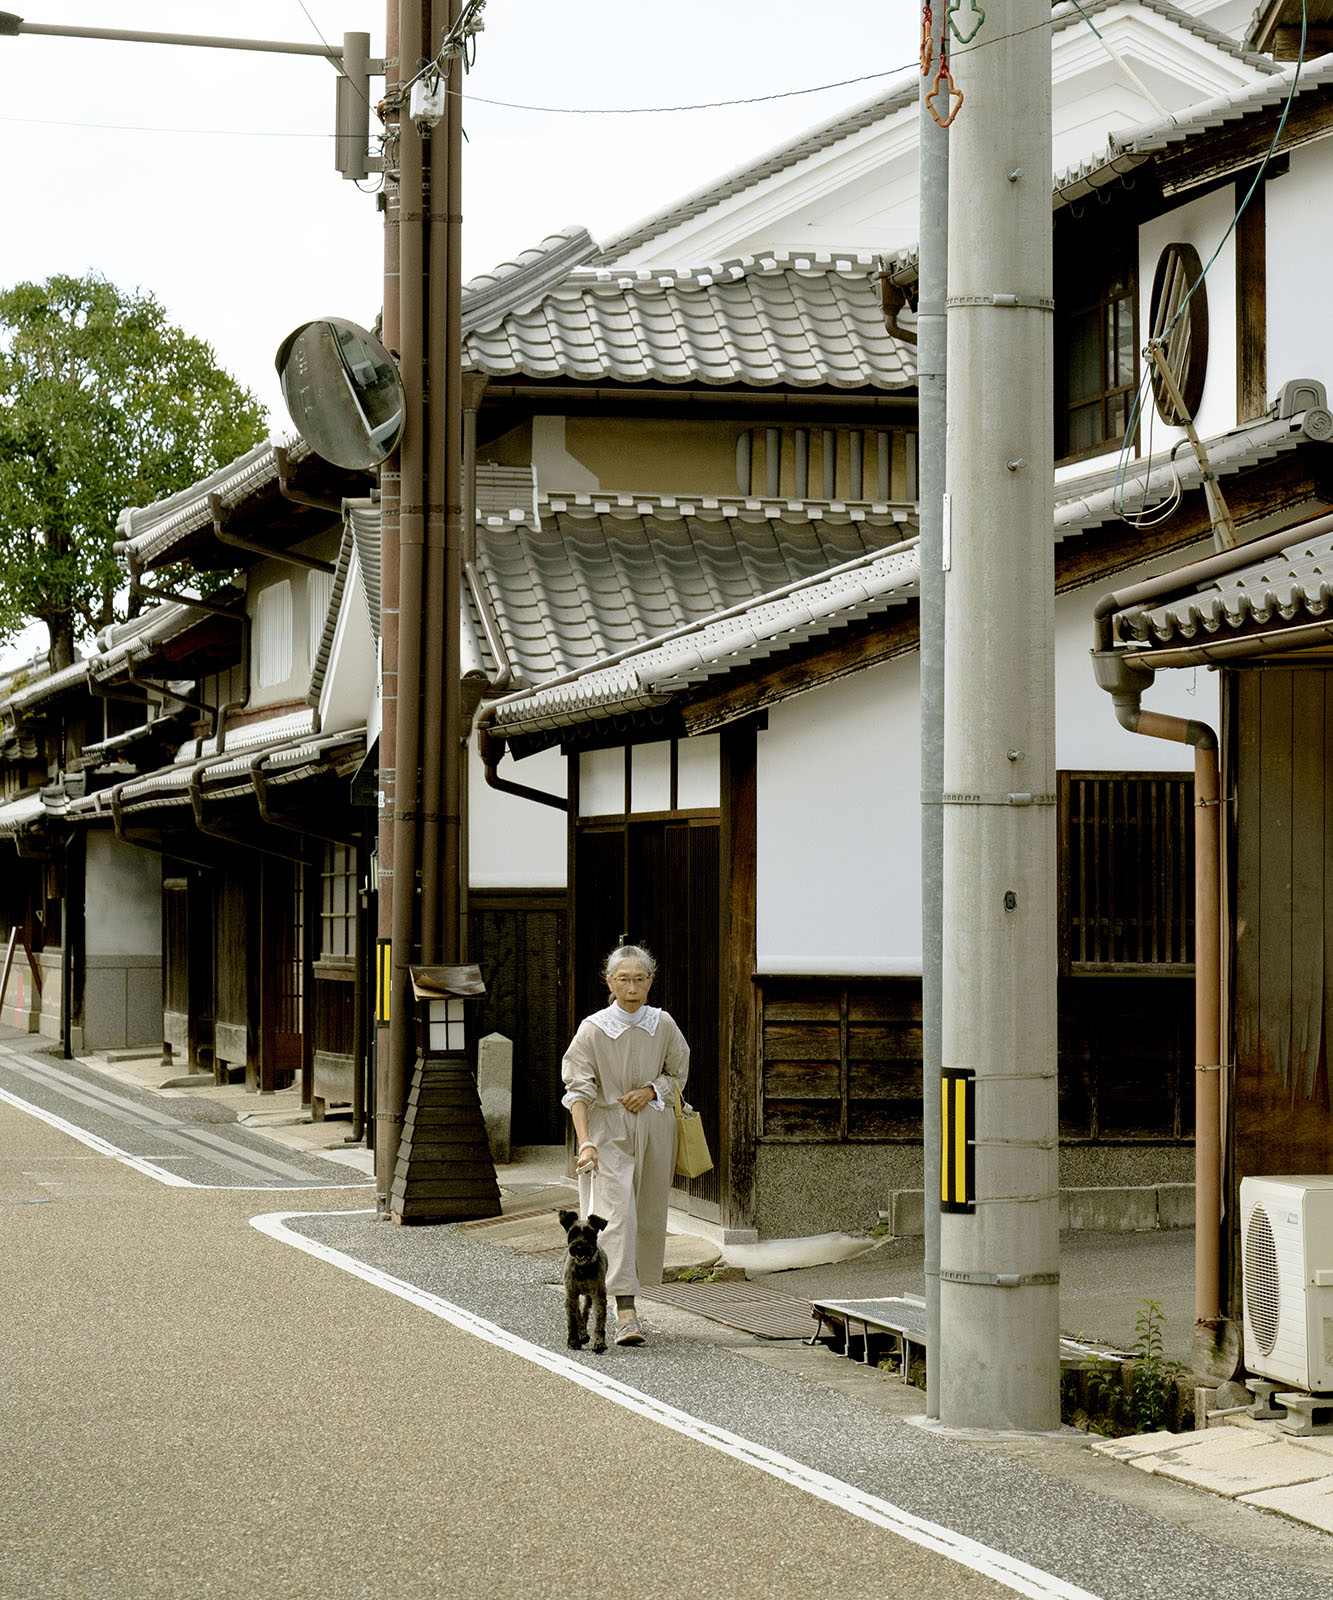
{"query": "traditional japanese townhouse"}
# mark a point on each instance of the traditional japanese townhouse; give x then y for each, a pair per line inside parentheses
(212, 802)
(788, 718)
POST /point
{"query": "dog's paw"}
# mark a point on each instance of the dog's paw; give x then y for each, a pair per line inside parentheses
(598, 1348)
(577, 1344)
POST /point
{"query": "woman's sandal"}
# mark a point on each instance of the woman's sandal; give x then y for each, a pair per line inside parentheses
(629, 1331)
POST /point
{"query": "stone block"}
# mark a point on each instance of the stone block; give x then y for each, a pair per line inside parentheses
(104, 1007)
(1109, 1210)
(907, 1214)
(495, 1085)
(1175, 1205)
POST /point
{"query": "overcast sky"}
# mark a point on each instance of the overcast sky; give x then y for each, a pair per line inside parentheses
(207, 176)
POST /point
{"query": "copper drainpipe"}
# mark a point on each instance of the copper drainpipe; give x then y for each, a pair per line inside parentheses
(396, 1069)
(1126, 681)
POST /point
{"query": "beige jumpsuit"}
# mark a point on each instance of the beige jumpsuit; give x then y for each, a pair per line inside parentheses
(636, 1153)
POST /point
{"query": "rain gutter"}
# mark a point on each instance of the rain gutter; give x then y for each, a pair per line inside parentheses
(1125, 681)
(253, 547)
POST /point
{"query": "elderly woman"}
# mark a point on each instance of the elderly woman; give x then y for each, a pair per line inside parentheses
(620, 1073)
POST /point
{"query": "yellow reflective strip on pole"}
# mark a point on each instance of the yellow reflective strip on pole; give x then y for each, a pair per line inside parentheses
(383, 980)
(944, 1141)
(960, 1194)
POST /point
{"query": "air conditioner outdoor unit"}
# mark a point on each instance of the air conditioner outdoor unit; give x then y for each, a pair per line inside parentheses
(1287, 1270)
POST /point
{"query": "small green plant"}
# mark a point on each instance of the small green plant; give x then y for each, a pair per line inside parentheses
(1143, 1400)
(1154, 1376)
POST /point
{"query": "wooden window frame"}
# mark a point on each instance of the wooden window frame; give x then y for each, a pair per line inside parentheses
(1101, 302)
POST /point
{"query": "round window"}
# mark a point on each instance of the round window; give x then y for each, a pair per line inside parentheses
(1179, 324)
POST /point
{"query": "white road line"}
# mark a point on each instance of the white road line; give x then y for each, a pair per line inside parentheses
(1014, 1574)
(148, 1167)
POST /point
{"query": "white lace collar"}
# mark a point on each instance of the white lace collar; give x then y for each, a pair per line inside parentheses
(613, 1021)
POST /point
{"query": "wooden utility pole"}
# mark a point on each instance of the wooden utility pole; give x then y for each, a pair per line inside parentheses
(420, 860)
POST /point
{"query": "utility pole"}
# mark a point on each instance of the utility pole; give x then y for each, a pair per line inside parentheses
(421, 508)
(931, 351)
(999, 1240)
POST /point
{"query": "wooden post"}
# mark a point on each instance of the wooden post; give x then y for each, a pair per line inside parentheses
(739, 1087)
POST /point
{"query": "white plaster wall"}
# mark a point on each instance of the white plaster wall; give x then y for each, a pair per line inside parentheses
(351, 675)
(514, 843)
(839, 829)
(1087, 736)
(839, 832)
(122, 899)
(1202, 224)
(1300, 242)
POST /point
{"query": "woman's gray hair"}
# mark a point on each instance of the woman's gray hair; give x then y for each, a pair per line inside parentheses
(629, 952)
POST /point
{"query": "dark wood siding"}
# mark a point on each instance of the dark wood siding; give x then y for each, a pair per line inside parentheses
(1126, 1059)
(1283, 737)
(655, 881)
(1126, 872)
(518, 940)
(841, 1058)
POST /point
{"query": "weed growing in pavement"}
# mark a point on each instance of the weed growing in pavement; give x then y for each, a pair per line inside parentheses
(1145, 1400)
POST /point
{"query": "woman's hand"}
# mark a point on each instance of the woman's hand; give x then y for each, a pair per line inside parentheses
(586, 1160)
(637, 1099)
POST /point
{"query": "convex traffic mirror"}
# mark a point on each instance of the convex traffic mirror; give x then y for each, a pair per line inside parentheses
(343, 392)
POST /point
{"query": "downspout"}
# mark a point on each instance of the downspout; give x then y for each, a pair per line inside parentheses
(1125, 683)
(254, 548)
(72, 916)
(213, 831)
(261, 787)
(298, 497)
(122, 833)
(491, 751)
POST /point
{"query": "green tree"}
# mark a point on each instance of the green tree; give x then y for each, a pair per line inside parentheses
(103, 404)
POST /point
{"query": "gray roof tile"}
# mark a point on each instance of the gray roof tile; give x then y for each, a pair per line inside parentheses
(790, 319)
(602, 573)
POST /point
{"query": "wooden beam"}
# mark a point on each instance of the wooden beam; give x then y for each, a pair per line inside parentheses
(1251, 303)
(753, 689)
(1286, 43)
(738, 1097)
(1244, 144)
(1289, 485)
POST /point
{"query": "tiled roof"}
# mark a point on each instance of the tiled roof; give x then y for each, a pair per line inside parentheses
(228, 777)
(515, 285)
(18, 814)
(1290, 588)
(148, 531)
(899, 96)
(1131, 147)
(324, 649)
(789, 319)
(603, 573)
(713, 647)
(1086, 503)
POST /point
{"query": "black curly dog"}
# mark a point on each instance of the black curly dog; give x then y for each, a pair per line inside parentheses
(585, 1280)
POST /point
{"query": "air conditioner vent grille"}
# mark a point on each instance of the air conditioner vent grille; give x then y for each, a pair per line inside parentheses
(1263, 1298)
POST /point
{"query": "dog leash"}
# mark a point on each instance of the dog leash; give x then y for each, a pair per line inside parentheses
(585, 1192)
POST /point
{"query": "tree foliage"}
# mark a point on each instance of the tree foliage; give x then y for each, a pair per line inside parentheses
(103, 404)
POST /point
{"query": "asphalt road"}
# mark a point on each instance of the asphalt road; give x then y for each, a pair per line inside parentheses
(192, 1408)
(196, 1407)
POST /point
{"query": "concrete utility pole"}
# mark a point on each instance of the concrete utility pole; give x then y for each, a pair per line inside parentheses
(999, 1238)
(931, 335)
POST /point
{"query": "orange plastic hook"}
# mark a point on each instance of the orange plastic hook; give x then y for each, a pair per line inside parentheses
(944, 76)
(927, 41)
